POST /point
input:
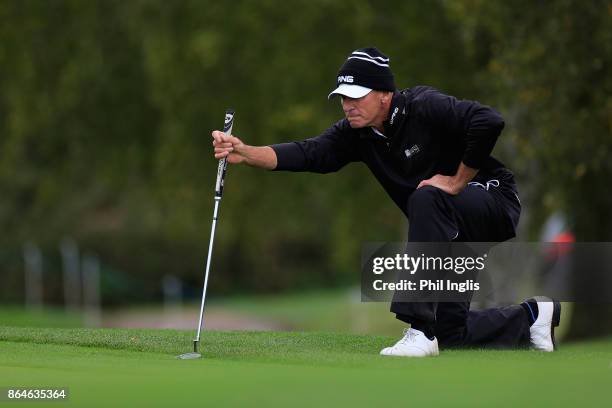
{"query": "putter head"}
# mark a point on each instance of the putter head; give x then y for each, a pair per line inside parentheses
(191, 356)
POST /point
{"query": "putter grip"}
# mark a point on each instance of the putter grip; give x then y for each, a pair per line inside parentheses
(227, 129)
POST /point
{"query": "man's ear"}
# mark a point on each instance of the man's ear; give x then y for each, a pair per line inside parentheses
(385, 97)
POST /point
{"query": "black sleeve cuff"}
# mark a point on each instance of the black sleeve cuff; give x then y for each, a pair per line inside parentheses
(289, 157)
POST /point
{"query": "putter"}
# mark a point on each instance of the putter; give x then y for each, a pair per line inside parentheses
(227, 129)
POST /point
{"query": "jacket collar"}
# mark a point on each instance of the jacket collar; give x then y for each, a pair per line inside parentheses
(397, 114)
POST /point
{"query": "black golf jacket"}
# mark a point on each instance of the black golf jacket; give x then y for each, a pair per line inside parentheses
(427, 133)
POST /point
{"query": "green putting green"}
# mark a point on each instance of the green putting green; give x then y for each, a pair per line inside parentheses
(108, 367)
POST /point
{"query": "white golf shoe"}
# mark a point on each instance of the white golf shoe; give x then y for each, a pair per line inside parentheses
(542, 331)
(413, 344)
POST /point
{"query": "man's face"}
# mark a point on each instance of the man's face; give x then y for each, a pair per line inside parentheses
(364, 111)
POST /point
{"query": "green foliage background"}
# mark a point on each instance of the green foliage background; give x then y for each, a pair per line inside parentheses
(106, 108)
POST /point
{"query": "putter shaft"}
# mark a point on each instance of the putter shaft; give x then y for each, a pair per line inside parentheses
(210, 249)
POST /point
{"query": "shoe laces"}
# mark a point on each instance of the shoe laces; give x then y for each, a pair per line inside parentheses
(409, 336)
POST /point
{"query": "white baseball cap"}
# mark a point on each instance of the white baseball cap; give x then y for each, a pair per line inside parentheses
(352, 91)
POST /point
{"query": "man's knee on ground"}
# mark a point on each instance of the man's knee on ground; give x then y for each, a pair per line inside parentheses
(450, 330)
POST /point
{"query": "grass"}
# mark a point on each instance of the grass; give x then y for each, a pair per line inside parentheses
(110, 367)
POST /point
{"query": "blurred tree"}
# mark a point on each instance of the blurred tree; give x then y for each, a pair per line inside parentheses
(549, 64)
(106, 109)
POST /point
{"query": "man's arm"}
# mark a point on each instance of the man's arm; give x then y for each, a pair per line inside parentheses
(477, 124)
(237, 152)
(326, 153)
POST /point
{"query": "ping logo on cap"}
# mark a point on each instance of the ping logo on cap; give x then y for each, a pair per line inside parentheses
(345, 78)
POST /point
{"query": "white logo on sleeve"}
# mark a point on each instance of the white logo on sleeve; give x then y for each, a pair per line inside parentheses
(412, 151)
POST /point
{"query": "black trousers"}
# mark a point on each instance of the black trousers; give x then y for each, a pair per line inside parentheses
(484, 212)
